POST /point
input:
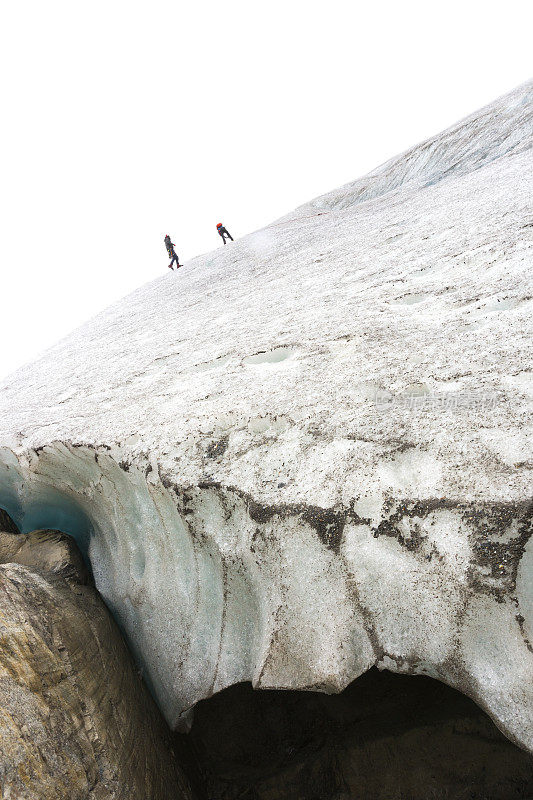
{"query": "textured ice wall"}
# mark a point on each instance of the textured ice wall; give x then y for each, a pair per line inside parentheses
(310, 451)
(212, 588)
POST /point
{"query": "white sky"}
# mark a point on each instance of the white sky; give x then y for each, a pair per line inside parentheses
(123, 121)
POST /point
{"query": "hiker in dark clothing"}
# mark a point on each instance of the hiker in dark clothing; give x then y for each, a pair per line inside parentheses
(171, 253)
(223, 232)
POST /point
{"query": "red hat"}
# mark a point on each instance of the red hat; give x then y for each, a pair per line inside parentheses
(219, 225)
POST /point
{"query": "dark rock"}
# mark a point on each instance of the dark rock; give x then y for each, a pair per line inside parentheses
(6, 523)
(76, 721)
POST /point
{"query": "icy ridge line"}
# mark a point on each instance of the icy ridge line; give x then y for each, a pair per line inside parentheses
(501, 129)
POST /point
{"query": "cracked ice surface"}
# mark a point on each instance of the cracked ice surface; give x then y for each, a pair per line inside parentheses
(310, 452)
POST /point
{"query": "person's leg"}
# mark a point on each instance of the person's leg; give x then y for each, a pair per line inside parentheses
(230, 236)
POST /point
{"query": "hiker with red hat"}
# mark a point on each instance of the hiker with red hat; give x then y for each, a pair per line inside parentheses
(223, 232)
(171, 253)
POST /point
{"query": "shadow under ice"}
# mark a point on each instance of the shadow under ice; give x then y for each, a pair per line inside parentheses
(386, 737)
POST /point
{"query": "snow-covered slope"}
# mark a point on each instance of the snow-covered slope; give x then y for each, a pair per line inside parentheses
(308, 452)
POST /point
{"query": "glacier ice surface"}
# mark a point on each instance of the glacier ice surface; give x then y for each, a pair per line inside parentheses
(310, 452)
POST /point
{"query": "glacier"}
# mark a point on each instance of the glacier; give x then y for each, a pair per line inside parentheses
(309, 452)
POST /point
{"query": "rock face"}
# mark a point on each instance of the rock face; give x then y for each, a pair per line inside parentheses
(307, 453)
(75, 719)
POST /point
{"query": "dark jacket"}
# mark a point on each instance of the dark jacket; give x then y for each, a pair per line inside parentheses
(169, 245)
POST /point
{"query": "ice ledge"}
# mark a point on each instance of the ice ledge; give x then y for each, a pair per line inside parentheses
(213, 587)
